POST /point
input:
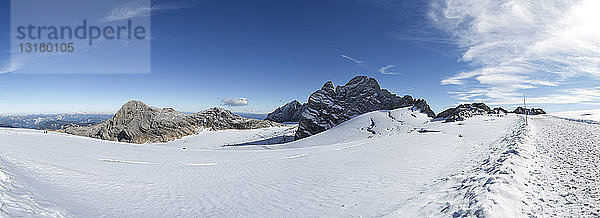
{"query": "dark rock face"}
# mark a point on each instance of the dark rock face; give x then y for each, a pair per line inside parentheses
(3, 125)
(529, 111)
(498, 110)
(289, 112)
(331, 105)
(137, 122)
(463, 111)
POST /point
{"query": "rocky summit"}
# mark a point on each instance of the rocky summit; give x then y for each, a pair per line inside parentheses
(463, 111)
(331, 105)
(529, 111)
(137, 122)
(289, 112)
(498, 110)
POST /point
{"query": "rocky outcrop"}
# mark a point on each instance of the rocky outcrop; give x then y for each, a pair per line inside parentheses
(331, 105)
(137, 122)
(3, 125)
(289, 112)
(529, 111)
(536, 111)
(498, 110)
(463, 111)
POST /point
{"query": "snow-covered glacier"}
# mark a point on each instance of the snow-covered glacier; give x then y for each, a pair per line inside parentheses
(383, 163)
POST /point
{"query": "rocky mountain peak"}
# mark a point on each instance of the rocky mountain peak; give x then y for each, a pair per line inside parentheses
(328, 87)
(498, 110)
(361, 83)
(463, 111)
(134, 103)
(328, 107)
(289, 112)
(222, 112)
(529, 111)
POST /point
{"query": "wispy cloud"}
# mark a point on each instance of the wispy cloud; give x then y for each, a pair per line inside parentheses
(9, 68)
(588, 96)
(13, 64)
(384, 70)
(515, 45)
(143, 8)
(235, 102)
(356, 61)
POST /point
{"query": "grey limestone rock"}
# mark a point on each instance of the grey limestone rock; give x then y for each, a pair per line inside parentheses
(463, 111)
(529, 111)
(498, 110)
(137, 122)
(331, 105)
(289, 112)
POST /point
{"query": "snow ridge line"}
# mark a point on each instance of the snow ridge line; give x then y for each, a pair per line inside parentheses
(492, 187)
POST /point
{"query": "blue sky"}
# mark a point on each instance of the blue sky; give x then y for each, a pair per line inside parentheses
(259, 55)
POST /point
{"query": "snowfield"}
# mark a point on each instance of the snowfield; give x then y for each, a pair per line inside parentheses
(564, 170)
(383, 163)
(590, 116)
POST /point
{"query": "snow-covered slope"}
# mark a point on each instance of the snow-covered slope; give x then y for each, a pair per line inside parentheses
(233, 139)
(373, 124)
(584, 115)
(379, 163)
(17, 199)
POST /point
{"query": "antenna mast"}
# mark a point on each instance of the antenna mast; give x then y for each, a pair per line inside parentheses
(525, 108)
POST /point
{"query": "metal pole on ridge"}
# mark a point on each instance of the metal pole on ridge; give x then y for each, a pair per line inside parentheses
(525, 108)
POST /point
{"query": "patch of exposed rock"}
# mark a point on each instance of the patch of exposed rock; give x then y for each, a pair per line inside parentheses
(289, 112)
(463, 111)
(137, 122)
(498, 110)
(331, 105)
(529, 111)
(3, 125)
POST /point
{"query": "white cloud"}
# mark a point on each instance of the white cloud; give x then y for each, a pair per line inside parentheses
(235, 102)
(356, 61)
(514, 45)
(143, 8)
(587, 96)
(469, 95)
(384, 70)
(13, 65)
(6, 69)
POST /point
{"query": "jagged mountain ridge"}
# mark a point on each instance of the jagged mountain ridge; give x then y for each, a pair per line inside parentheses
(331, 105)
(289, 112)
(529, 111)
(137, 122)
(463, 111)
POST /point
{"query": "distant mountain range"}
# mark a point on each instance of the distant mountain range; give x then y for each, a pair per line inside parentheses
(51, 121)
(251, 115)
(63, 120)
